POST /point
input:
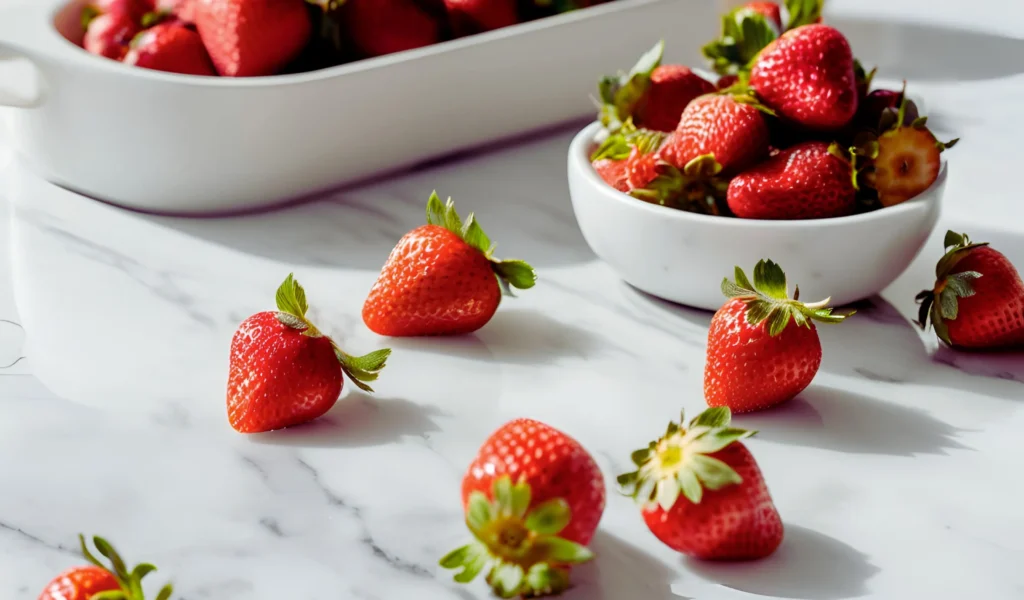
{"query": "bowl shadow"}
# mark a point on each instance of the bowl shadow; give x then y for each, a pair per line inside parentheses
(620, 571)
(359, 420)
(807, 566)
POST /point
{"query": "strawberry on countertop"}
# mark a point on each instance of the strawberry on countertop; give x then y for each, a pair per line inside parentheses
(284, 371)
(96, 580)
(252, 38)
(170, 47)
(978, 298)
(533, 498)
(442, 278)
(703, 493)
(763, 348)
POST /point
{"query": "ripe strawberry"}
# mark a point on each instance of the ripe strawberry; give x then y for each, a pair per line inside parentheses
(620, 94)
(284, 371)
(442, 278)
(812, 180)
(474, 16)
(184, 10)
(628, 159)
(725, 126)
(135, 10)
(110, 35)
(252, 38)
(533, 498)
(763, 348)
(672, 88)
(613, 172)
(702, 492)
(88, 582)
(170, 47)
(906, 160)
(807, 77)
(978, 298)
(379, 27)
(769, 10)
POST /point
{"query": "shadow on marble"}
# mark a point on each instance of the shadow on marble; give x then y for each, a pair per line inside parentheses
(359, 420)
(929, 52)
(526, 336)
(843, 421)
(807, 566)
(621, 571)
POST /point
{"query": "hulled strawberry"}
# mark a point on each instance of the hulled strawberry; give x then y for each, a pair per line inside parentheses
(763, 348)
(728, 127)
(807, 77)
(812, 180)
(284, 371)
(252, 38)
(442, 278)
(170, 47)
(978, 299)
(379, 27)
(533, 498)
(703, 493)
(468, 17)
(96, 580)
(110, 34)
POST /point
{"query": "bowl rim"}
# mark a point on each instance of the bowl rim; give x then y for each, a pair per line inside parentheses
(579, 160)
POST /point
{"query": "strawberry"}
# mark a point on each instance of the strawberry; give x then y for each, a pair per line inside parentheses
(474, 16)
(134, 10)
(170, 47)
(533, 498)
(904, 159)
(110, 35)
(882, 103)
(620, 94)
(96, 580)
(702, 492)
(613, 172)
(252, 38)
(184, 10)
(284, 371)
(807, 77)
(978, 298)
(379, 27)
(726, 82)
(628, 160)
(728, 127)
(812, 180)
(763, 348)
(672, 88)
(442, 278)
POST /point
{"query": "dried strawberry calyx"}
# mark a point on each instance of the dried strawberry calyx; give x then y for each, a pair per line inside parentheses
(130, 581)
(768, 299)
(619, 145)
(942, 302)
(697, 187)
(511, 273)
(292, 307)
(619, 94)
(745, 32)
(519, 548)
(679, 463)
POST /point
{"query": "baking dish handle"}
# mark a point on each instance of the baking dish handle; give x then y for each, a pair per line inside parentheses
(8, 95)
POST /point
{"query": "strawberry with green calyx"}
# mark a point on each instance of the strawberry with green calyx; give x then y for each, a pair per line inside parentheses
(703, 493)
(284, 371)
(619, 95)
(619, 145)
(978, 298)
(746, 30)
(442, 278)
(763, 348)
(102, 582)
(519, 547)
(697, 187)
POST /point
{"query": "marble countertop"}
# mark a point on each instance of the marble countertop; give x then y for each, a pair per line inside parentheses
(896, 472)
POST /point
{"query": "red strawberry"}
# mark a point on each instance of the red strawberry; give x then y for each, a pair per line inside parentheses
(726, 81)
(769, 10)
(135, 10)
(85, 582)
(252, 38)
(621, 94)
(807, 77)
(110, 34)
(284, 371)
(812, 180)
(978, 298)
(734, 132)
(170, 47)
(441, 278)
(474, 16)
(628, 160)
(763, 348)
(379, 27)
(182, 9)
(671, 89)
(702, 492)
(613, 172)
(533, 498)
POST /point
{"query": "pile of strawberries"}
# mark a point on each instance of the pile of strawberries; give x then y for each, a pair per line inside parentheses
(790, 130)
(253, 38)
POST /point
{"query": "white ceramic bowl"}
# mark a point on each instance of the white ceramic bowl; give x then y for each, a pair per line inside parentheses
(683, 257)
(183, 144)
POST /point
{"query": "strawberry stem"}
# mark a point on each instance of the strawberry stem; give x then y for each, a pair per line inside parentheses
(130, 581)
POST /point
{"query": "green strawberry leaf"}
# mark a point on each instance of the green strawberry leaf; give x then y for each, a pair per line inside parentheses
(803, 12)
(550, 518)
(745, 32)
(291, 298)
(714, 417)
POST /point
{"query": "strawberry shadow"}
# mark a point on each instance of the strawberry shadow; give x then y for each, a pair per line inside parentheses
(620, 571)
(808, 566)
(527, 336)
(359, 420)
(844, 421)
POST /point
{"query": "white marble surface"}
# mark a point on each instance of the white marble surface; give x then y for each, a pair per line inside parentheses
(897, 473)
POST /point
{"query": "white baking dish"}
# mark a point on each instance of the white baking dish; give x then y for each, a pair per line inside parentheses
(173, 143)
